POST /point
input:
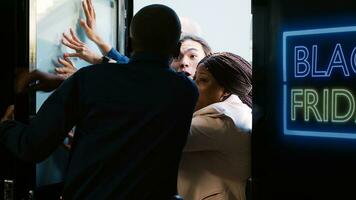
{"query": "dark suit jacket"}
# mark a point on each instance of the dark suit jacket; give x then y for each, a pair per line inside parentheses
(131, 122)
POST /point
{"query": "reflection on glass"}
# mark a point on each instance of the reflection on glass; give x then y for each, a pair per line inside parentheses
(48, 20)
(55, 17)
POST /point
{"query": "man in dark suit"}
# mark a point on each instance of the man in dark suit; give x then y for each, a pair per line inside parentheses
(131, 119)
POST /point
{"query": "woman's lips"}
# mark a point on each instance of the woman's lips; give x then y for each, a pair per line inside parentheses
(187, 73)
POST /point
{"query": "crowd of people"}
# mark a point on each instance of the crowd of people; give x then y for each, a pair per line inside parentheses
(173, 119)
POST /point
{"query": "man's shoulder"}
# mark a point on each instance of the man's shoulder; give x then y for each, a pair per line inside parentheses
(99, 70)
(99, 67)
(187, 86)
(184, 79)
(189, 82)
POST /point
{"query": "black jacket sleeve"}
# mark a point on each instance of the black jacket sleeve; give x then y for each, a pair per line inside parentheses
(58, 114)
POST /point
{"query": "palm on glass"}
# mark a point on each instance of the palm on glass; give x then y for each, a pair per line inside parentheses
(89, 26)
(81, 49)
(90, 23)
(68, 68)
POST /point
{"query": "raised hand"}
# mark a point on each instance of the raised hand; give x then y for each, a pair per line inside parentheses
(68, 68)
(89, 26)
(81, 49)
(37, 81)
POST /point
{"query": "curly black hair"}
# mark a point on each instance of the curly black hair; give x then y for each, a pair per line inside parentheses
(232, 72)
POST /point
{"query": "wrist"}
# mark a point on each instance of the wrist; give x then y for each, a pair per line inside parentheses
(98, 60)
(97, 40)
(103, 46)
(105, 59)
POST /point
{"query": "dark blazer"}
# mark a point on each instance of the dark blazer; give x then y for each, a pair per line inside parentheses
(131, 122)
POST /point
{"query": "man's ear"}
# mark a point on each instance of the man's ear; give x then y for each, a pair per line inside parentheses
(176, 50)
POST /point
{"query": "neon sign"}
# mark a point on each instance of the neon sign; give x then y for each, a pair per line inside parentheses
(319, 82)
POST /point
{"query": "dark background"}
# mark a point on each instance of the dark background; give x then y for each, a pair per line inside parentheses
(326, 44)
(14, 40)
(15, 55)
(294, 167)
(284, 167)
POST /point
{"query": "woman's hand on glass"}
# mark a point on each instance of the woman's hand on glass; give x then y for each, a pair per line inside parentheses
(89, 27)
(81, 49)
(67, 69)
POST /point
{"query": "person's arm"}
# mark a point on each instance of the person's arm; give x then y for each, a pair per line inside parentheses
(81, 49)
(36, 80)
(89, 26)
(205, 134)
(59, 113)
(9, 113)
(83, 52)
(117, 56)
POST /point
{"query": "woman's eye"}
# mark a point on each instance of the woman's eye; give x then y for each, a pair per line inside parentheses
(193, 56)
(202, 80)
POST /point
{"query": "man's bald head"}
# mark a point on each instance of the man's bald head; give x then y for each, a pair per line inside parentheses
(155, 29)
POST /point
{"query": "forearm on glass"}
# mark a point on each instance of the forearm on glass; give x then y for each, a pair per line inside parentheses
(103, 46)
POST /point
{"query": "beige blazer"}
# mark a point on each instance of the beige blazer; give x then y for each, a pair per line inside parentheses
(216, 161)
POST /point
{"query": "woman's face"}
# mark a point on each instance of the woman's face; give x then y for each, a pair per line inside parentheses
(209, 90)
(191, 52)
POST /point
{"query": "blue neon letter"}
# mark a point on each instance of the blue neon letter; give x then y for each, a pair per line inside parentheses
(353, 59)
(338, 60)
(315, 71)
(301, 54)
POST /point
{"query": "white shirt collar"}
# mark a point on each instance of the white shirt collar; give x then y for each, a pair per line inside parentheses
(232, 107)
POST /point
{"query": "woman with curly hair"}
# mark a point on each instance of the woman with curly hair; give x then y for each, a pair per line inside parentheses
(216, 161)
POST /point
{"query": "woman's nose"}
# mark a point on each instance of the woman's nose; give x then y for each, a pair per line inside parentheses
(184, 63)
